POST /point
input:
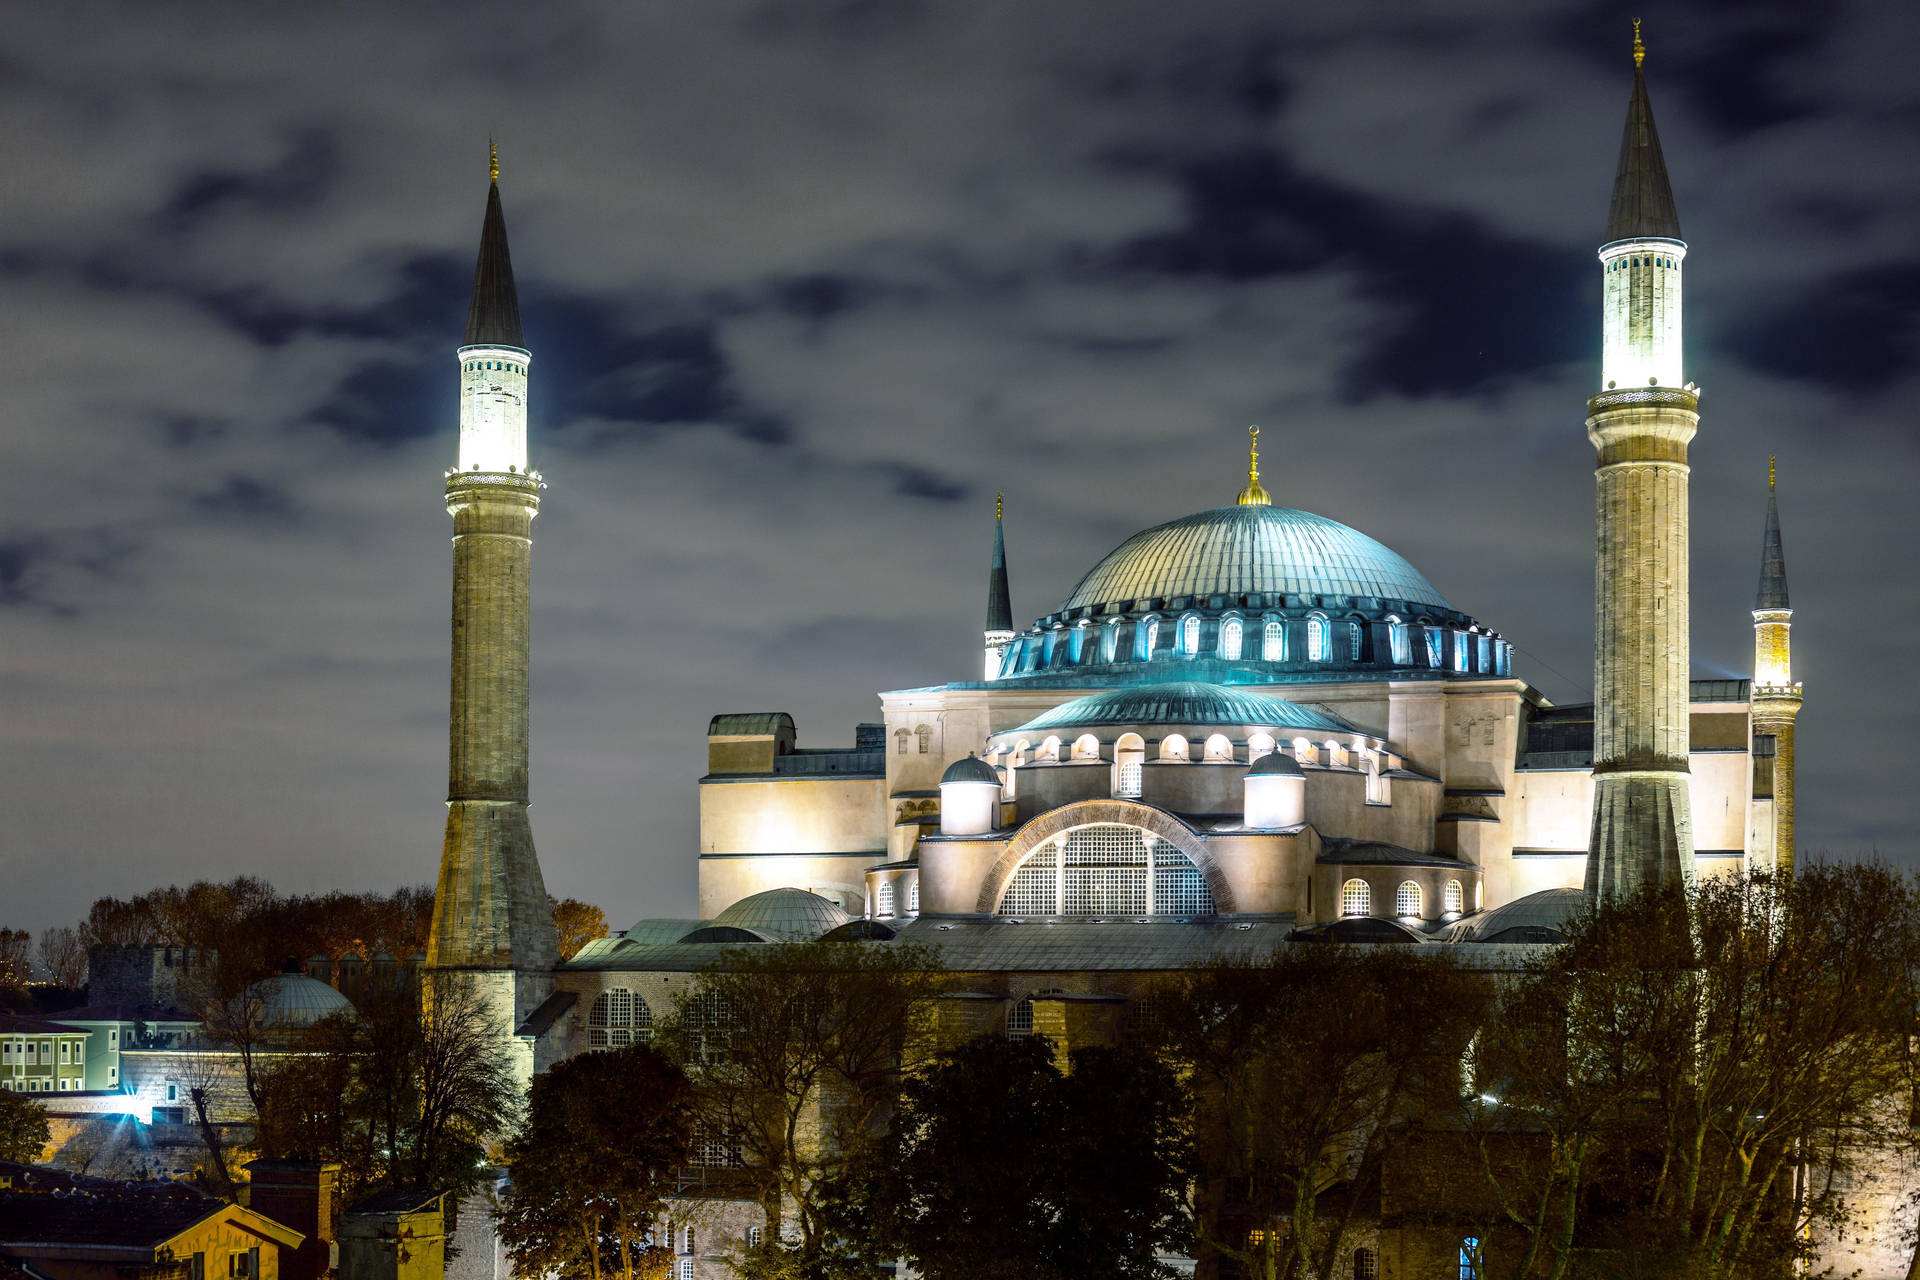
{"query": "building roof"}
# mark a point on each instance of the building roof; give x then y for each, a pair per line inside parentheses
(999, 598)
(1642, 204)
(1276, 764)
(1538, 917)
(971, 769)
(21, 1024)
(658, 929)
(787, 914)
(550, 1011)
(1239, 550)
(1773, 560)
(1184, 702)
(749, 724)
(397, 1200)
(493, 313)
(1378, 853)
(46, 1211)
(126, 1013)
(290, 1001)
(1360, 929)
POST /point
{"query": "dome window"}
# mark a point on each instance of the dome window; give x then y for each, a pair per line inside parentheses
(1356, 899)
(1273, 645)
(1109, 640)
(1230, 639)
(1398, 642)
(1406, 900)
(1149, 636)
(1190, 636)
(1317, 646)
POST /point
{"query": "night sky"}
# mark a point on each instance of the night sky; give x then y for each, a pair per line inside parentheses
(805, 284)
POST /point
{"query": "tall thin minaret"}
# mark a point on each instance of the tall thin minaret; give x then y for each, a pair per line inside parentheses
(1776, 697)
(999, 632)
(491, 921)
(1640, 425)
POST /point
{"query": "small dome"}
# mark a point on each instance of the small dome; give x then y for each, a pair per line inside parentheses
(1184, 702)
(1275, 764)
(1252, 548)
(788, 915)
(293, 1001)
(725, 933)
(1358, 929)
(1538, 917)
(860, 931)
(972, 769)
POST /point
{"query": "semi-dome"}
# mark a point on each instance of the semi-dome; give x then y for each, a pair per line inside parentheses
(1252, 549)
(1538, 917)
(789, 915)
(1184, 702)
(293, 1001)
(971, 769)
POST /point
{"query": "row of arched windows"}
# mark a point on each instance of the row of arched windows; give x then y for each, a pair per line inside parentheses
(1088, 642)
(1356, 899)
(1621, 264)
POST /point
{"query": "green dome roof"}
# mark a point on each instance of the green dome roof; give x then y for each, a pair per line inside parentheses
(1241, 550)
(971, 769)
(787, 915)
(1184, 702)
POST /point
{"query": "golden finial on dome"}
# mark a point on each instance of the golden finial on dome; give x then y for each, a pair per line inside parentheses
(493, 161)
(1253, 495)
(1770, 473)
(1639, 50)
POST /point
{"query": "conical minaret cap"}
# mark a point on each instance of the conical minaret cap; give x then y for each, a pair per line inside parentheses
(493, 315)
(999, 598)
(1642, 205)
(1773, 559)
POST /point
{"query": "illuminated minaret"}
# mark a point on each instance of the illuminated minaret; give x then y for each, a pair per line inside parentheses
(1776, 698)
(491, 920)
(1640, 426)
(999, 632)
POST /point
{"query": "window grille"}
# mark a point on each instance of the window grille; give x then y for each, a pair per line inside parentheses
(1230, 640)
(1190, 635)
(1356, 899)
(1130, 776)
(1365, 1266)
(1107, 869)
(753, 1237)
(1020, 1016)
(1455, 899)
(618, 1017)
(883, 900)
(1406, 899)
(686, 1245)
(1316, 639)
(1273, 644)
(913, 897)
(715, 1150)
(686, 1269)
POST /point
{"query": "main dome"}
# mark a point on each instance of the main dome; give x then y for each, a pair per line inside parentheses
(1247, 549)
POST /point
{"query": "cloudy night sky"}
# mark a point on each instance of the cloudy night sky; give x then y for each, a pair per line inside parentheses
(805, 285)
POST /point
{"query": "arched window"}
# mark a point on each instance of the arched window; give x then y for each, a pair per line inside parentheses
(1258, 745)
(1079, 650)
(1230, 640)
(900, 737)
(1459, 651)
(1273, 643)
(1109, 640)
(1304, 752)
(1020, 1016)
(1365, 1265)
(1129, 754)
(925, 735)
(1356, 899)
(1149, 637)
(1399, 644)
(883, 901)
(1317, 647)
(1086, 747)
(618, 1017)
(1406, 899)
(1219, 748)
(1106, 869)
(1190, 635)
(1433, 646)
(1456, 898)
(1173, 747)
(1050, 750)
(913, 897)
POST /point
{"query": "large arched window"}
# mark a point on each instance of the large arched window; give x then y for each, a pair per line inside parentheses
(1190, 635)
(883, 901)
(1455, 899)
(618, 1017)
(1149, 637)
(1406, 899)
(1318, 649)
(1106, 869)
(1356, 899)
(1273, 641)
(1399, 643)
(1230, 631)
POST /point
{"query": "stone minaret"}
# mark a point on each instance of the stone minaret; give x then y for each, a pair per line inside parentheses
(491, 921)
(1640, 425)
(1776, 698)
(999, 632)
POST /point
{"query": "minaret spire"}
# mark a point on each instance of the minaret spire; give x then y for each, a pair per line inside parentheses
(1253, 495)
(1640, 425)
(1776, 695)
(999, 629)
(492, 927)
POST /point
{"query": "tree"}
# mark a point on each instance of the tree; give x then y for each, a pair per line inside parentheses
(63, 957)
(795, 1052)
(16, 970)
(23, 1128)
(1003, 1165)
(594, 1165)
(577, 923)
(1308, 1070)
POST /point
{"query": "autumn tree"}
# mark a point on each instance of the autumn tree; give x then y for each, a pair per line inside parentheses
(594, 1165)
(23, 1127)
(63, 957)
(794, 1052)
(577, 923)
(1308, 1068)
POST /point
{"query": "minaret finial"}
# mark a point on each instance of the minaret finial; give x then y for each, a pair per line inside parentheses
(1639, 50)
(1253, 495)
(1772, 473)
(999, 504)
(493, 161)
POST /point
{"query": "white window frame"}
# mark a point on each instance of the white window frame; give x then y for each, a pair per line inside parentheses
(1319, 640)
(1356, 893)
(1409, 900)
(1273, 641)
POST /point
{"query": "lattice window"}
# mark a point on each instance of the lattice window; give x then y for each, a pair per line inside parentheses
(715, 1150)
(618, 1017)
(925, 735)
(1406, 899)
(1035, 887)
(1130, 779)
(1152, 637)
(1273, 644)
(1107, 869)
(1365, 1265)
(1020, 1016)
(1455, 899)
(913, 897)
(1356, 899)
(1317, 647)
(1178, 887)
(1459, 651)
(1230, 633)
(1190, 635)
(883, 900)
(1109, 640)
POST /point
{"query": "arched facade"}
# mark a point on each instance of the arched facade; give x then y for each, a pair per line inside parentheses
(1162, 825)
